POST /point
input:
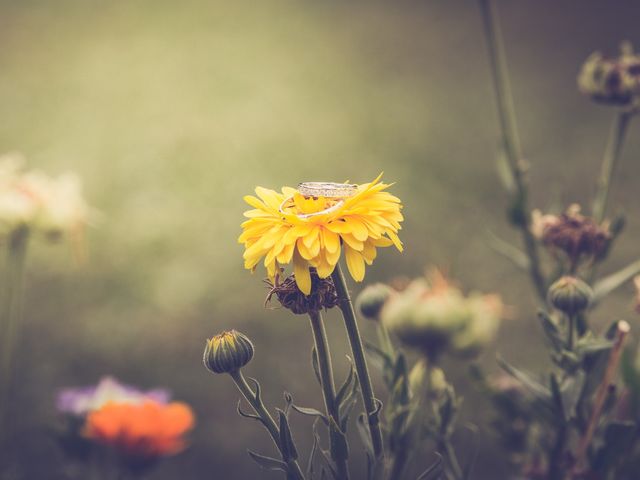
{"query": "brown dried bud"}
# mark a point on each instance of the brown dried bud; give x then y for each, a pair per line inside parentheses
(579, 237)
(323, 294)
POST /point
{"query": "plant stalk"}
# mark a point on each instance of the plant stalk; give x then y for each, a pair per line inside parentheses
(601, 394)
(328, 385)
(267, 420)
(357, 349)
(610, 160)
(510, 138)
(12, 308)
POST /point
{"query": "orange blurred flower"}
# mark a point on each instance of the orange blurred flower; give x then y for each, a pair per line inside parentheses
(148, 430)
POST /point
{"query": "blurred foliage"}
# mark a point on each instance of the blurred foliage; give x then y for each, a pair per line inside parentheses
(172, 111)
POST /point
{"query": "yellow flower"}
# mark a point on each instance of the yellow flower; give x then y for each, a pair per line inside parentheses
(312, 231)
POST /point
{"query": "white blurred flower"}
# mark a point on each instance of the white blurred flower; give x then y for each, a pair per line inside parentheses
(52, 206)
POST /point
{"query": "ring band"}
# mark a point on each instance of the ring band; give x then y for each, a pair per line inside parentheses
(332, 208)
(327, 189)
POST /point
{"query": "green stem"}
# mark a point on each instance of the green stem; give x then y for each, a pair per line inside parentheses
(571, 334)
(609, 162)
(385, 340)
(370, 404)
(267, 420)
(452, 459)
(328, 387)
(510, 138)
(12, 307)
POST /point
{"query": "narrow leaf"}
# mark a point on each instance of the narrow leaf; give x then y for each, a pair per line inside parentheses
(287, 445)
(534, 387)
(509, 251)
(608, 284)
(268, 463)
(312, 412)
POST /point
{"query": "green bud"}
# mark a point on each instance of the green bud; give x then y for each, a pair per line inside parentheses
(227, 352)
(570, 295)
(372, 299)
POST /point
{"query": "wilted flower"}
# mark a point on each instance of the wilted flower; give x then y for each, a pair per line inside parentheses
(322, 296)
(436, 316)
(81, 400)
(372, 299)
(310, 226)
(614, 81)
(227, 352)
(577, 236)
(570, 295)
(141, 431)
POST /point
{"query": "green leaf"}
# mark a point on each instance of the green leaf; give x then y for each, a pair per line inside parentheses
(571, 392)
(268, 463)
(608, 284)
(327, 464)
(508, 251)
(287, 445)
(339, 445)
(362, 426)
(246, 415)
(316, 365)
(590, 346)
(557, 398)
(312, 412)
(538, 390)
(551, 330)
(344, 389)
(312, 455)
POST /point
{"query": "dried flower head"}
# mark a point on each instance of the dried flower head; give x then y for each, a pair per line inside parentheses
(322, 296)
(614, 81)
(311, 226)
(141, 431)
(577, 236)
(435, 316)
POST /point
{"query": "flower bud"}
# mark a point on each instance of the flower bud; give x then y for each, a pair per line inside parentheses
(227, 352)
(372, 299)
(570, 295)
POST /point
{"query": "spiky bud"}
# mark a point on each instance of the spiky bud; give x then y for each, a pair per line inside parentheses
(227, 352)
(372, 299)
(570, 295)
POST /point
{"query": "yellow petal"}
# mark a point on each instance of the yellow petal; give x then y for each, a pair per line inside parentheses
(355, 263)
(301, 272)
(330, 240)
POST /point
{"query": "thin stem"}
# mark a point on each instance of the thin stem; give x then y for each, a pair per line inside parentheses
(12, 307)
(328, 385)
(370, 404)
(385, 340)
(267, 420)
(452, 458)
(510, 138)
(609, 162)
(571, 332)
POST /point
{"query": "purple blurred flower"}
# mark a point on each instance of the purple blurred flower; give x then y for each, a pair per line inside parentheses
(81, 400)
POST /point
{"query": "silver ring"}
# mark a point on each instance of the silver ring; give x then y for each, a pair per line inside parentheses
(327, 189)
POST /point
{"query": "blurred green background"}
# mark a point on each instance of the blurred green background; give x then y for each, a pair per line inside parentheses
(172, 111)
